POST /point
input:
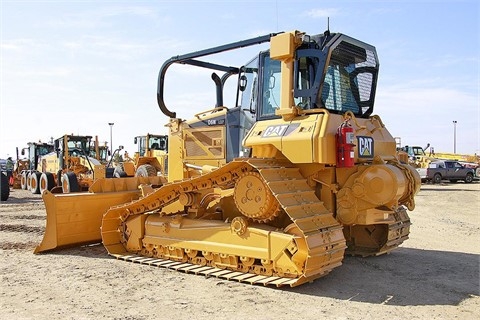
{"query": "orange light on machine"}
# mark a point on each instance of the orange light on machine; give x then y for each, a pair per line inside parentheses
(345, 152)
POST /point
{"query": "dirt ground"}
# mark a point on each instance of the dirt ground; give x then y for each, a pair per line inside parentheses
(433, 275)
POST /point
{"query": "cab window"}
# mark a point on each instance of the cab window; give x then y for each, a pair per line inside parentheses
(270, 87)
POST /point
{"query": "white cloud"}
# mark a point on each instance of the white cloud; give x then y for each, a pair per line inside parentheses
(100, 17)
(21, 44)
(322, 13)
(9, 46)
(141, 11)
(56, 72)
(106, 47)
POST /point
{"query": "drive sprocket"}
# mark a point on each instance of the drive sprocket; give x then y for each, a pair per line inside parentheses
(254, 199)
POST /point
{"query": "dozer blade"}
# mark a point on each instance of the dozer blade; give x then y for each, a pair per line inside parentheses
(75, 218)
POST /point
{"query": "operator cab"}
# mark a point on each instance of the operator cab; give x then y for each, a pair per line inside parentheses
(76, 145)
(331, 71)
(151, 142)
(158, 142)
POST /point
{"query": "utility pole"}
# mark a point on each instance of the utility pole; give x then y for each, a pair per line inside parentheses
(454, 136)
(111, 143)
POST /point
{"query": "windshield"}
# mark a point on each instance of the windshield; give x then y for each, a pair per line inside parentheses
(271, 72)
(350, 79)
(417, 151)
(157, 143)
(78, 146)
(103, 153)
(43, 150)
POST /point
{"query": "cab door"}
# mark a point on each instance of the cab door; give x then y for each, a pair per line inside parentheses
(451, 170)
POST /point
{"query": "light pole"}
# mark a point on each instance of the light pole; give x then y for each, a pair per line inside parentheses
(454, 136)
(111, 144)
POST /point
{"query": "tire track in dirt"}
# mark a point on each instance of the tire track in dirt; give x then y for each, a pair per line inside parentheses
(28, 232)
(17, 245)
(21, 228)
(11, 208)
(22, 217)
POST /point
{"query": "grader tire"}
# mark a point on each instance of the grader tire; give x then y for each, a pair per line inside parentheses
(59, 177)
(47, 181)
(4, 187)
(29, 178)
(146, 170)
(70, 183)
(35, 182)
(119, 172)
(24, 180)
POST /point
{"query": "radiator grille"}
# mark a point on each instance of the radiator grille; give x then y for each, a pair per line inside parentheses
(204, 143)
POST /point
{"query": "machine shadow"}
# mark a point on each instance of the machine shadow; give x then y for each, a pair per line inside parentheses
(405, 277)
(94, 250)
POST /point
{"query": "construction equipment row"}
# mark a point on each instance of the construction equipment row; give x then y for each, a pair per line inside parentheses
(72, 163)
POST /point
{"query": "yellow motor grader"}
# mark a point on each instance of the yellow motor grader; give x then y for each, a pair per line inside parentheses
(24, 167)
(274, 190)
(72, 166)
(150, 159)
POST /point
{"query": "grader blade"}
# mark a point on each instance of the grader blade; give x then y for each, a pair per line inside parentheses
(75, 218)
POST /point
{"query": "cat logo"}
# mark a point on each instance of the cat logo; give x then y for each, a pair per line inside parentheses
(275, 131)
(365, 147)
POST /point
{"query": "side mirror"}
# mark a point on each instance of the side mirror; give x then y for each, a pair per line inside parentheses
(242, 83)
(135, 140)
(271, 83)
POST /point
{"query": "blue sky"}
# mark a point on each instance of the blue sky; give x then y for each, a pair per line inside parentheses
(75, 66)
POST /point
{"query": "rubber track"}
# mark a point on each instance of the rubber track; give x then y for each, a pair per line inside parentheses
(322, 233)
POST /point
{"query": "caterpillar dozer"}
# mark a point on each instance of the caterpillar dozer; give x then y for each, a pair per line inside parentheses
(273, 191)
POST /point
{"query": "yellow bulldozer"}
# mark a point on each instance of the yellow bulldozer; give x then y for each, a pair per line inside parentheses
(150, 159)
(274, 190)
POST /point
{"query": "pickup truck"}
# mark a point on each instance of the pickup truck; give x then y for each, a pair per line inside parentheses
(449, 170)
